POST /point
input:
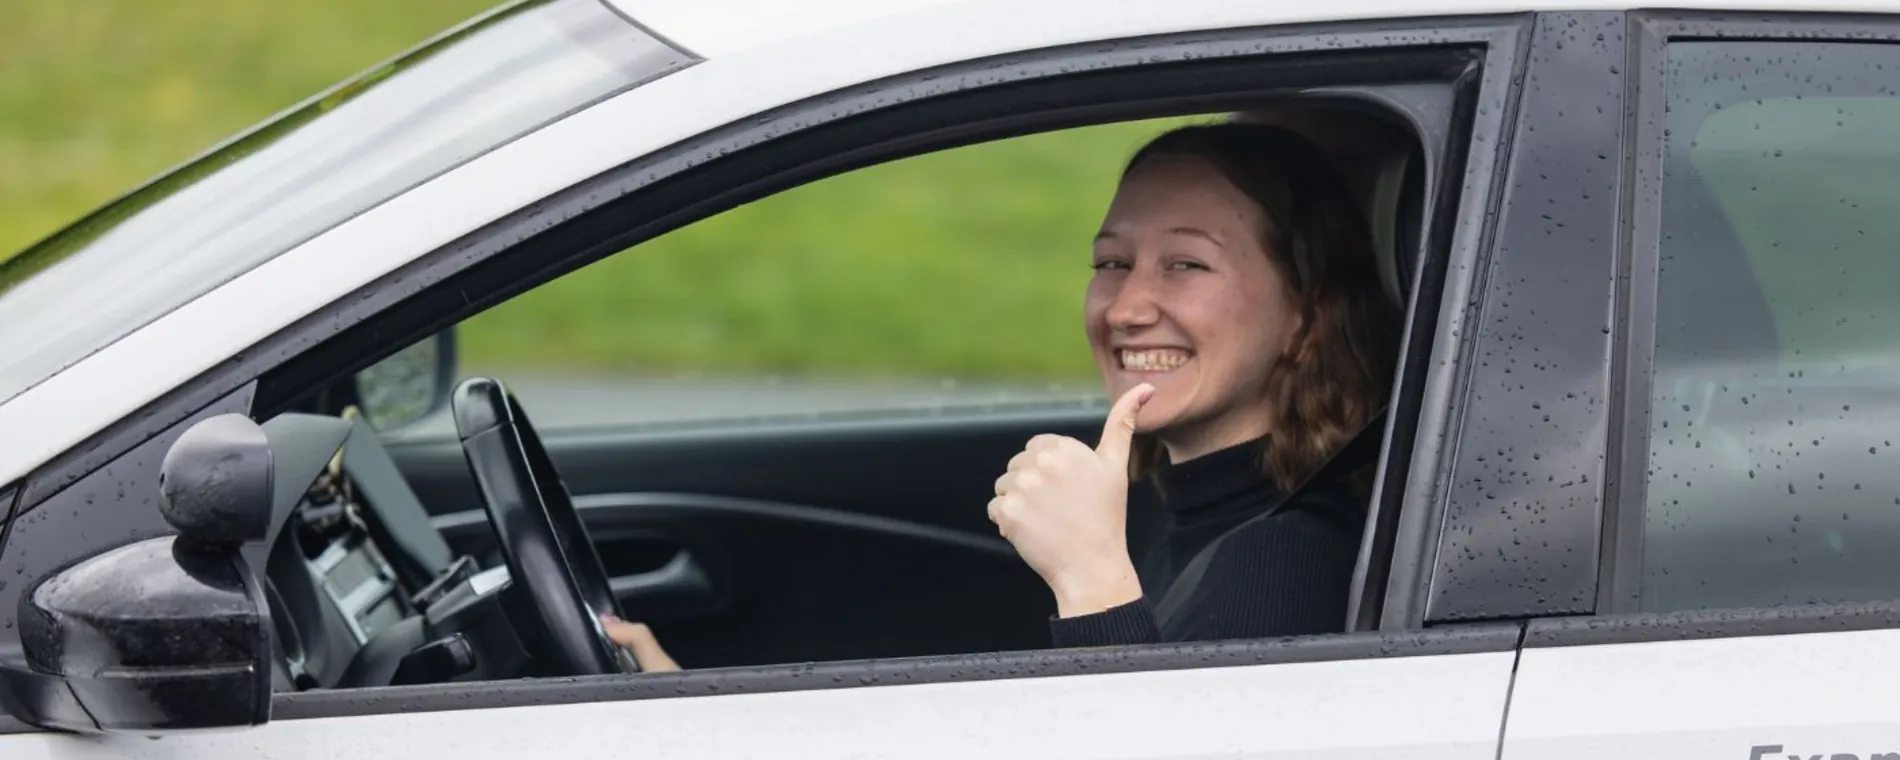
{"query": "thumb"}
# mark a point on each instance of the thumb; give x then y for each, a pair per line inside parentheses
(1119, 431)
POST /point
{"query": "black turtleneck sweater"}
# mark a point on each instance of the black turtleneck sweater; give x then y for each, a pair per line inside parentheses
(1284, 574)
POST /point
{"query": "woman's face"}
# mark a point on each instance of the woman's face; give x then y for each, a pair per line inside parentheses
(1184, 297)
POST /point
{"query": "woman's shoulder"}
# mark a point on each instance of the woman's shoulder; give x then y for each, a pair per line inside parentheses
(1315, 519)
(1332, 506)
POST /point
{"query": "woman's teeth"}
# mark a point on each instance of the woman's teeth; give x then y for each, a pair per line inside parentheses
(1154, 360)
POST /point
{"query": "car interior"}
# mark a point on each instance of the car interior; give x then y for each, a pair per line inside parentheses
(485, 554)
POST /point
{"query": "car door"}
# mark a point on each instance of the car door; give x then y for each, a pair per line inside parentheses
(1747, 606)
(1390, 686)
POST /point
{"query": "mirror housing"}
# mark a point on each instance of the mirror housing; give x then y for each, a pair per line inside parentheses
(408, 385)
(169, 633)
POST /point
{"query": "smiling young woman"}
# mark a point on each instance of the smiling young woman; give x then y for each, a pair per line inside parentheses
(1236, 316)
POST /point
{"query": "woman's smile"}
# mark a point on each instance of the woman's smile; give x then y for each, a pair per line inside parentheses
(1153, 360)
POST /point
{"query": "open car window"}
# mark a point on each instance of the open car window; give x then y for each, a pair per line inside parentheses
(947, 282)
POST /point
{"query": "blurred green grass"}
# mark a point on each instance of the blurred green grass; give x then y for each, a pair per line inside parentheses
(968, 263)
(965, 263)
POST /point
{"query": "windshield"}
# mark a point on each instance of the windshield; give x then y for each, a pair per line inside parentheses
(460, 95)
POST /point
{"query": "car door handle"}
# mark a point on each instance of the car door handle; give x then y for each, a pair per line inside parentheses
(678, 587)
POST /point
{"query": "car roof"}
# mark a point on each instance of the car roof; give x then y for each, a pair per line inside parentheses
(719, 27)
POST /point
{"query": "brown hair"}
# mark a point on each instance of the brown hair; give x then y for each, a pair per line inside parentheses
(1336, 374)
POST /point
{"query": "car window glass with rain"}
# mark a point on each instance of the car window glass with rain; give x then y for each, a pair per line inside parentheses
(1773, 479)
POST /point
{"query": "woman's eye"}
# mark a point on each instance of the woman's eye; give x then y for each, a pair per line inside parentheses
(1186, 265)
(1105, 265)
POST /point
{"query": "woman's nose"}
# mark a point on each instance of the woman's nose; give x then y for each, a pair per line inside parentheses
(1135, 305)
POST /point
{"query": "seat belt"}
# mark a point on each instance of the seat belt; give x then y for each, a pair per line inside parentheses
(1364, 446)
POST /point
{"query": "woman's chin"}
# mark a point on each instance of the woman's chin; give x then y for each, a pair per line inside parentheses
(1160, 409)
(1155, 417)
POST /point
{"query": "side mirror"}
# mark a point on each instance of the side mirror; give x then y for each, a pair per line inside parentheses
(409, 384)
(168, 633)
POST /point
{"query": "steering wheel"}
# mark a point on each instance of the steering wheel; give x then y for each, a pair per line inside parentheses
(560, 586)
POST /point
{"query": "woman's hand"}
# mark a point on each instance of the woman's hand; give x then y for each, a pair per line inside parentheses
(1064, 507)
(639, 639)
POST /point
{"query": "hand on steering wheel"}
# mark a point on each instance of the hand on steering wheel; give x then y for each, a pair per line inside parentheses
(559, 596)
(638, 639)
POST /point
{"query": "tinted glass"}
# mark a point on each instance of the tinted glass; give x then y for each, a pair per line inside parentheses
(1773, 478)
(314, 166)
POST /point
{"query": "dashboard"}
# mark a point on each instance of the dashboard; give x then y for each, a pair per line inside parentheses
(363, 591)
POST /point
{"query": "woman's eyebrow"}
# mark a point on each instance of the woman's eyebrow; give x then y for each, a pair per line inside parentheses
(1187, 231)
(1197, 232)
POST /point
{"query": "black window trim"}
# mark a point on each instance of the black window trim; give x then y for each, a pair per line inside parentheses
(1620, 568)
(8, 502)
(1398, 554)
(398, 309)
(1542, 284)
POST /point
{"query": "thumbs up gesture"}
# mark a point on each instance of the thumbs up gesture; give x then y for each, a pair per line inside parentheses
(1064, 506)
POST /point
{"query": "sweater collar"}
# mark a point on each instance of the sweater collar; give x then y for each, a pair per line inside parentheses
(1218, 478)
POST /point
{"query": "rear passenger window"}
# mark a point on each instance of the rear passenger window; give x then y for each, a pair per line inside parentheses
(1773, 478)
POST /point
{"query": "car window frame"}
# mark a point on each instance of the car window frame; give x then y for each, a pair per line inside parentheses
(421, 298)
(1619, 598)
(1521, 484)
(1498, 34)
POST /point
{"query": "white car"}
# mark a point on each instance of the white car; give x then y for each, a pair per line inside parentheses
(1636, 492)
